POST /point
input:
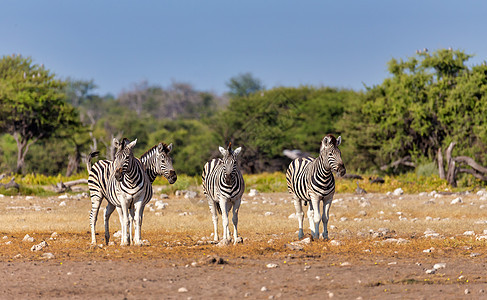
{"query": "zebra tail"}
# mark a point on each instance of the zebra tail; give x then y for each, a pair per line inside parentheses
(88, 161)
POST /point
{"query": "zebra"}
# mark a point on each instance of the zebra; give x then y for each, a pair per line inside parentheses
(156, 161)
(125, 184)
(223, 186)
(311, 180)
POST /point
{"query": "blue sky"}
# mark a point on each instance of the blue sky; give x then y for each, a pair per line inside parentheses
(342, 44)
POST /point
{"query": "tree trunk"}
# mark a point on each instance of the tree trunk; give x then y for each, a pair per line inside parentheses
(451, 175)
(441, 168)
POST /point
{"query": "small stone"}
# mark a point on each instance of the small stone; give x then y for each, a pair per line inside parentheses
(475, 254)
(28, 238)
(182, 290)
(63, 203)
(48, 255)
(470, 232)
(439, 266)
(335, 243)
(398, 192)
(271, 266)
(268, 213)
(5, 237)
(253, 192)
(63, 196)
(345, 264)
(431, 271)
(39, 246)
(467, 291)
(263, 289)
(456, 201)
(190, 195)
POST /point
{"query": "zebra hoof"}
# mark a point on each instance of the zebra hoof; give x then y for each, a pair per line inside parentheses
(238, 240)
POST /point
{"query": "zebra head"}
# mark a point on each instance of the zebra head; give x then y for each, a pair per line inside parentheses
(164, 163)
(123, 157)
(333, 157)
(229, 161)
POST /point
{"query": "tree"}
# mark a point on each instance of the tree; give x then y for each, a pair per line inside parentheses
(32, 104)
(244, 85)
(430, 100)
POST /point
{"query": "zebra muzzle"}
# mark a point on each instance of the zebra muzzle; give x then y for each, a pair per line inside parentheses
(172, 177)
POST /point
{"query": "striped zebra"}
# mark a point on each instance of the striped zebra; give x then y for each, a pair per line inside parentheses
(157, 162)
(311, 180)
(125, 184)
(223, 186)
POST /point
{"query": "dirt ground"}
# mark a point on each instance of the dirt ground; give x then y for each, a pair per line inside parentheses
(381, 247)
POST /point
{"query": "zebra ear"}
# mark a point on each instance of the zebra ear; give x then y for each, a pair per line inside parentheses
(324, 143)
(160, 148)
(132, 144)
(236, 152)
(222, 150)
(339, 140)
(169, 147)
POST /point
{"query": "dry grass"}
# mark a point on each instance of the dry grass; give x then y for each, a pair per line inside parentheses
(183, 227)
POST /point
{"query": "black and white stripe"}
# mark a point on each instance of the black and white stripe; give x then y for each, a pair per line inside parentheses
(157, 162)
(125, 184)
(223, 186)
(311, 180)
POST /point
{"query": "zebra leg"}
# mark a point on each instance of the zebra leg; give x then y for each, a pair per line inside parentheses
(125, 224)
(214, 217)
(326, 217)
(300, 215)
(236, 207)
(310, 215)
(131, 224)
(315, 200)
(138, 222)
(95, 207)
(225, 208)
(108, 212)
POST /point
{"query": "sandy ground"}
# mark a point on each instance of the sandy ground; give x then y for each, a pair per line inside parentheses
(356, 263)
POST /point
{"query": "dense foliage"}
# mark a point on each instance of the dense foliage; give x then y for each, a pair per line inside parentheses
(428, 101)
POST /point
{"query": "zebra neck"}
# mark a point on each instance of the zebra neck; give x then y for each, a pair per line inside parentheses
(149, 162)
(320, 166)
(152, 174)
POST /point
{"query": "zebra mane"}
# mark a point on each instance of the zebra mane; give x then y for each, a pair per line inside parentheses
(150, 153)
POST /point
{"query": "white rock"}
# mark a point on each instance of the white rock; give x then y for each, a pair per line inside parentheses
(335, 243)
(8, 242)
(117, 234)
(48, 255)
(431, 271)
(398, 192)
(469, 232)
(39, 246)
(29, 197)
(271, 266)
(481, 237)
(164, 196)
(344, 264)
(263, 289)
(2, 195)
(160, 204)
(253, 192)
(423, 194)
(293, 216)
(54, 235)
(63, 203)
(182, 290)
(439, 266)
(5, 237)
(456, 200)
(28, 238)
(65, 196)
(190, 195)
(343, 219)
